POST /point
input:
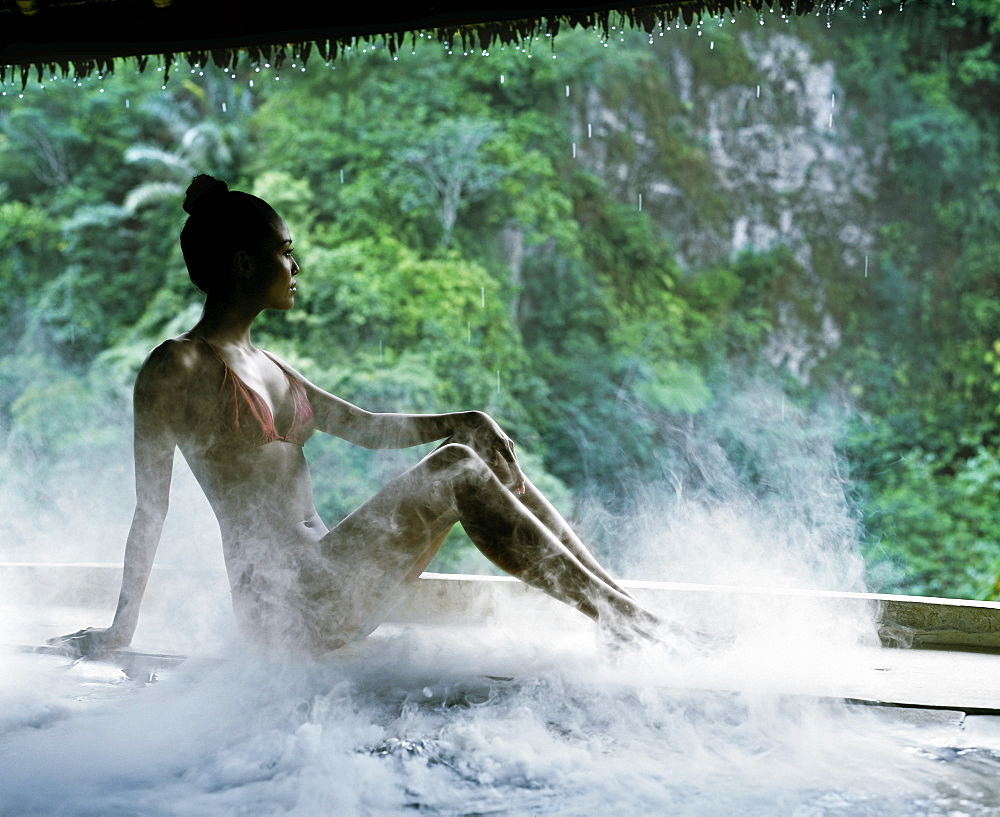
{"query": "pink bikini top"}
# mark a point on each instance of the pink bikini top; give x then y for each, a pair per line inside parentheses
(246, 419)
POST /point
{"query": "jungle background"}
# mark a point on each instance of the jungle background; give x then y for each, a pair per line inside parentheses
(673, 265)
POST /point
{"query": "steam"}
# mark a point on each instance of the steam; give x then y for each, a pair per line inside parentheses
(500, 719)
(414, 723)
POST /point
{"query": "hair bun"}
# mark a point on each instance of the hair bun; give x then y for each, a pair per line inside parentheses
(202, 191)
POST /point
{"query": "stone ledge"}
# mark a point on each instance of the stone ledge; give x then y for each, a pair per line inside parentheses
(905, 621)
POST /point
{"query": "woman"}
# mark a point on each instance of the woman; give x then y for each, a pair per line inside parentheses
(240, 416)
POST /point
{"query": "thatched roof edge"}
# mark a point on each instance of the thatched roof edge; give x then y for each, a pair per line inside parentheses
(59, 46)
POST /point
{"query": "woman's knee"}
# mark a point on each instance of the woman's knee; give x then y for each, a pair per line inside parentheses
(469, 439)
(459, 464)
(458, 453)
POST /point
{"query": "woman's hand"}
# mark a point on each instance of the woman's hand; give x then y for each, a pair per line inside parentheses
(89, 642)
(498, 450)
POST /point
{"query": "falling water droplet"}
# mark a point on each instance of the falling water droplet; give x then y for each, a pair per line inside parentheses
(590, 131)
(501, 79)
(758, 92)
(341, 175)
(640, 202)
(833, 101)
(128, 104)
(574, 150)
(866, 266)
(567, 92)
(223, 107)
(711, 46)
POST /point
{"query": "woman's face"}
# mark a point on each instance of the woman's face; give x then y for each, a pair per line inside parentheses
(276, 268)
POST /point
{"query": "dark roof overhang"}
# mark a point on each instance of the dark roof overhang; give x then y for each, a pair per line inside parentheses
(80, 37)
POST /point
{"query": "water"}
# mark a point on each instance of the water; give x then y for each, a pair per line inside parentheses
(464, 720)
(415, 722)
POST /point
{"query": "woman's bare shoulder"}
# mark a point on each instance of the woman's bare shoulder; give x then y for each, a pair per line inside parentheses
(172, 362)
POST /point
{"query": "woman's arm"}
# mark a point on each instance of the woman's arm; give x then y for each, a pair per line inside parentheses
(154, 457)
(155, 410)
(377, 430)
(390, 429)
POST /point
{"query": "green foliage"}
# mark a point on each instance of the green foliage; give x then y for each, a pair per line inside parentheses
(455, 256)
(375, 300)
(939, 531)
(31, 242)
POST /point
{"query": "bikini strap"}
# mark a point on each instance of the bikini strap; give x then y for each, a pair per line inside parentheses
(277, 362)
(210, 345)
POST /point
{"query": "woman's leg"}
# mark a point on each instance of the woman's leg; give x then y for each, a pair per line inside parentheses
(536, 502)
(370, 553)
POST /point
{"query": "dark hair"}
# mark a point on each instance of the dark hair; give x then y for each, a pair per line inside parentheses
(220, 223)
